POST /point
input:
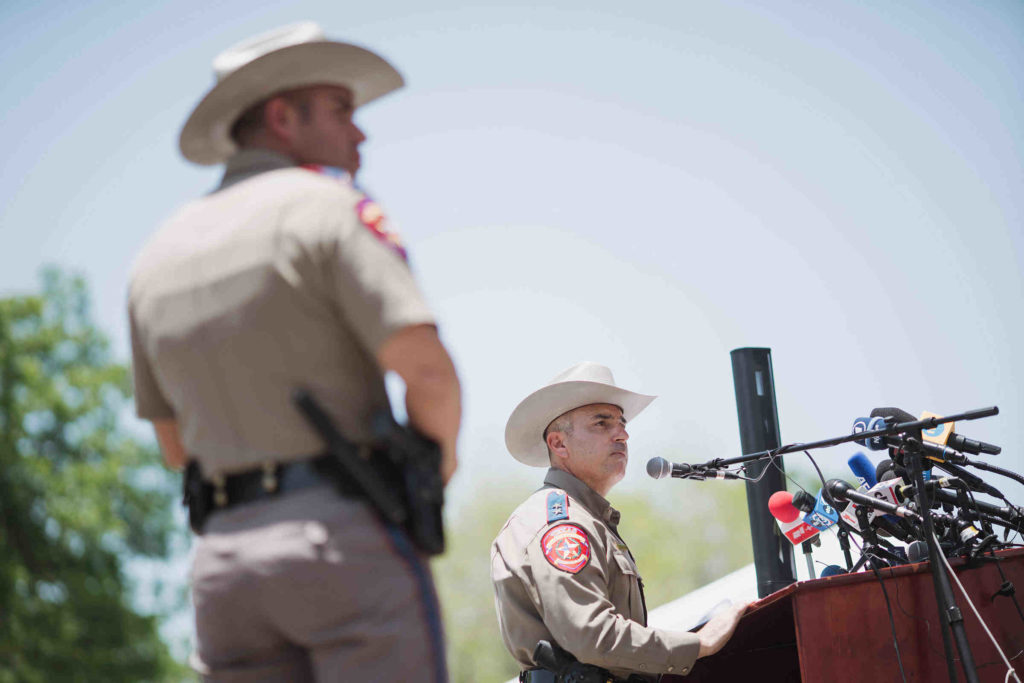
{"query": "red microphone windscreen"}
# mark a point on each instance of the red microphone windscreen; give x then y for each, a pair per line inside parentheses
(781, 506)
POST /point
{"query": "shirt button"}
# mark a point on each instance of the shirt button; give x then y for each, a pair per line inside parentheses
(685, 671)
(671, 668)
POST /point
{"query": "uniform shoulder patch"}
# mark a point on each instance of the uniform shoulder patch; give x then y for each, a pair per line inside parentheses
(369, 212)
(558, 506)
(566, 547)
(372, 217)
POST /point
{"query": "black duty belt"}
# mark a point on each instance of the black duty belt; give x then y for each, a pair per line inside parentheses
(275, 479)
(548, 676)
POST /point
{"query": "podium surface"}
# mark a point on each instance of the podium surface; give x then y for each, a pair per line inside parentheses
(838, 628)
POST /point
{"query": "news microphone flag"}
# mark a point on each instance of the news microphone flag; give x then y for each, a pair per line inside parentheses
(823, 515)
(791, 524)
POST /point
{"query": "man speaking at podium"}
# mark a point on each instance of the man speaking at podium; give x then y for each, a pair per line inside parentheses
(561, 571)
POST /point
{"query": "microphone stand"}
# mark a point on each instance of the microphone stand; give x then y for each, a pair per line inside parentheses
(917, 425)
(844, 543)
(873, 545)
(950, 617)
(807, 547)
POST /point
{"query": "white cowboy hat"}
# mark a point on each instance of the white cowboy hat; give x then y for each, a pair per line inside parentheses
(291, 57)
(581, 385)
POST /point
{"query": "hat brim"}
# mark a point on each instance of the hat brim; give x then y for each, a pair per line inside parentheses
(524, 432)
(205, 138)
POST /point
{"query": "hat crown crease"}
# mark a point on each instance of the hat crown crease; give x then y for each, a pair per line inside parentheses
(251, 49)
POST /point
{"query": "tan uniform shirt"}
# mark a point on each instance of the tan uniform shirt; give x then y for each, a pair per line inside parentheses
(273, 282)
(562, 573)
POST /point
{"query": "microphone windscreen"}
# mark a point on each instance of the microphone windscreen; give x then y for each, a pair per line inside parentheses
(895, 413)
(917, 551)
(658, 467)
(889, 475)
(780, 504)
(832, 570)
(883, 468)
(863, 468)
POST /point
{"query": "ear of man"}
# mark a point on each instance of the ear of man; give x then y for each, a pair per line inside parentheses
(281, 118)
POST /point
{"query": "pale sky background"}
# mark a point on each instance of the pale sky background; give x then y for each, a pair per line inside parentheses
(647, 185)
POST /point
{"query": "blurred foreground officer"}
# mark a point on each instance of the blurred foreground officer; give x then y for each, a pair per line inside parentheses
(287, 277)
(561, 571)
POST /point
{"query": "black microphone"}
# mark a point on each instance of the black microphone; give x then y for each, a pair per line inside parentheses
(897, 531)
(965, 445)
(894, 415)
(973, 481)
(840, 490)
(945, 436)
(659, 468)
(906, 492)
(1007, 514)
(934, 451)
(888, 470)
(917, 552)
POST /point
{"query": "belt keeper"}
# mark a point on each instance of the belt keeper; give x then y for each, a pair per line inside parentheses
(269, 476)
(220, 494)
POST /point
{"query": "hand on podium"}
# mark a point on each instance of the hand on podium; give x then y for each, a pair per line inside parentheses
(716, 633)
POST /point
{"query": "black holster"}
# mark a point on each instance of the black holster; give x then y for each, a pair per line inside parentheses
(567, 668)
(196, 496)
(414, 467)
(401, 478)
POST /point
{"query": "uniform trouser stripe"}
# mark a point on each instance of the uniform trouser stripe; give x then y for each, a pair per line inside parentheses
(428, 598)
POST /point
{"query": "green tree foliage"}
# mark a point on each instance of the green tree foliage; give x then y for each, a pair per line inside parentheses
(78, 496)
(682, 537)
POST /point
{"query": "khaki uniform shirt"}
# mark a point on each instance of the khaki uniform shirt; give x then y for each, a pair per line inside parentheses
(561, 573)
(276, 280)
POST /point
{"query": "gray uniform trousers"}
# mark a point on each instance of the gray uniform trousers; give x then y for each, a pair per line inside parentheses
(312, 587)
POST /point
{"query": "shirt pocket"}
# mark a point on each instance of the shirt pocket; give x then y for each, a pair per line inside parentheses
(626, 565)
(627, 597)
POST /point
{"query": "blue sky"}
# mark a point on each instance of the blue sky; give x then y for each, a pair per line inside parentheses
(647, 185)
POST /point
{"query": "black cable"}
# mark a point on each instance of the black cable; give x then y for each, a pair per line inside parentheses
(817, 469)
(1007, 585)
(772, 458)
(892, 622)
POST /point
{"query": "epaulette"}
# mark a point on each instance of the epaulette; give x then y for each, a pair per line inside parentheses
(558, 506)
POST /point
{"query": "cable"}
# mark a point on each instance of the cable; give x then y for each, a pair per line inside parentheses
(1006, 582)
(892, 622)
(1011, 592)
(984, 626)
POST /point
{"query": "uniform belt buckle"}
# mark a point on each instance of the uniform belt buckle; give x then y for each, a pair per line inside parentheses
(270, 476)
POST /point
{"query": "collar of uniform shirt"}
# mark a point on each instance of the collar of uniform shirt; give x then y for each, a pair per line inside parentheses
(591, 499)
(249, 162)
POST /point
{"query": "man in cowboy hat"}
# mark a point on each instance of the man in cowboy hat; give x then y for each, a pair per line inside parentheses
(561, 571)
(287, 277)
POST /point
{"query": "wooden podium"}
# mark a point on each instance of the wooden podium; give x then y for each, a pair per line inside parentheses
(837, 629)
